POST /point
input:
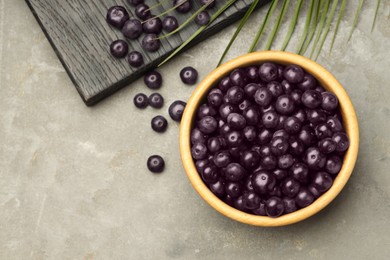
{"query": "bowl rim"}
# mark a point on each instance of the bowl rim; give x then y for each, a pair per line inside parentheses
(326, 79)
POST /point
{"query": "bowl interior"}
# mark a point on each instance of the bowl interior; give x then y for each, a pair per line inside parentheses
(326, 80)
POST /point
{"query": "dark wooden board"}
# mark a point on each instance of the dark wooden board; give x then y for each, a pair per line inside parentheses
(80, 36)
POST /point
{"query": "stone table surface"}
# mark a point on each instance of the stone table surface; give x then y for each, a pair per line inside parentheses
(73, 180)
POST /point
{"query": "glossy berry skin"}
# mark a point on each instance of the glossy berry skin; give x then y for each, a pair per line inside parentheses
(225, 110)
(292, 125)
(296, 147)
(334, 123)
(329, 101)
(239, 204)
(327, 146)
(281, 133)
(313, 190)
(132, 29)
(250, 133)
(263, 97)
(238, 78)
(197, 136)
(300, 114)
(159, 124)
(270, 119)
(250, 90)
(275, 88)
(140, 100)
(341, 140)
(249, 159)
(202, 18)
(290, 187)
(314, 159)
(289, 205)
(156, 100)
(322, 181)
(252, 73)
(182, 6)
(315, 116)
(306, 136)
(264, 136)
(142, 11)
(215, 99)
(304, 198)
(279, 146)
(170, 23)
(150, 42)
(268, 72)
(300, 172)
(225, 84)
(234, 172)
(236, 121)
(323, 131)
(309, 82)
(135, 59)
(269, 162)
(251, 200)
(296, 95)
(207, 125)
(222, 159)
(285, 105)
(234, 189)
(201, 164)
(214, 145)
(287, 86)
(234, 139)
(285, 161)
(205, 110)
(280, 174)
(263, 182)
(119, 48)
(199, 151)
(274, 207)
(333, 164)
(210, 174)
(218, 188)
(153, 80)
(294, 74)
(311, 99)
(135, 2)
(234, 95)
(117, 16)
(156, 164)
(152, 25)
(245, 104)
(176, 110)
(189, 75)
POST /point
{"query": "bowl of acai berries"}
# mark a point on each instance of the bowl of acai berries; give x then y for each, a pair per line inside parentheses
(269, 138)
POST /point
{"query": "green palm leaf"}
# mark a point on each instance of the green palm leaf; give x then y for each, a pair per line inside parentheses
(277, 25)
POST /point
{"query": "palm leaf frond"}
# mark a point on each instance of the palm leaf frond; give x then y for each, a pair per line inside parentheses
(277, 25)
(341, 12)
(307, 25)
(292, 25)
(355, 20)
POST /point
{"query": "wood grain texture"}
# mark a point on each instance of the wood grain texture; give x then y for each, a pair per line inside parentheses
(80, 36)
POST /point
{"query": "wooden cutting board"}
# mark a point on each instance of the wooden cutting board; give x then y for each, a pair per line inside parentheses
(80, 36)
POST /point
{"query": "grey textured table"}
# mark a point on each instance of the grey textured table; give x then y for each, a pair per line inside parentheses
(73, 181)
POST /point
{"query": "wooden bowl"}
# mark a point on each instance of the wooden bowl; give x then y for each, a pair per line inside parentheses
(326, 80)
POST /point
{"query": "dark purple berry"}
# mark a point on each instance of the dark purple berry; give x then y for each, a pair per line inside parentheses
(225, 84)
(205, 110)
(182, 6)
(304, 198)
(326, 146)
(287, 86)
(263, 97)
(201, 164)
(119, 48)
(270, 119)
(250, 133)
(315, 116)
(155, 164)
(268, 72)
(264, 136)
(311, 99)
(334, 124)
(280, 174)
(294, 74)
(209, 3)
(333, 164)
(263, 182)
(341, 140)
(218, 188)
(251, 200)
(142, 11)
(141, 100)
(290, 187)
(202, 18)
(189, 75)
(296, 146)
(279, 145)
(285, 161)
(234, 139)
(135, 59)
(199, 151)
(176, 110)
(269, 162)
(275, 88)
(249, 159)
(236, 121)
(215, 99)
(300, 172)
(322, 181)
(156, 100)
(170, 23)
(208, 125)
(210, 174)
(159, 124)
(197, 136)
(150, 42)
(222, 159)
(309, 82)
(314, 159)
(238, 78)
(260, 210)
(117, 16)
(132, 29)
(233, 189)
(274, 207)
(329, 101)
(135, 2)
(292, 125)
(285, 105)
(225, 110)
(214, 145)
(153, 80)
(323, 131)
(234, 95)
(245, 104)
(152, 25)
(289, 205)
(234, 172)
